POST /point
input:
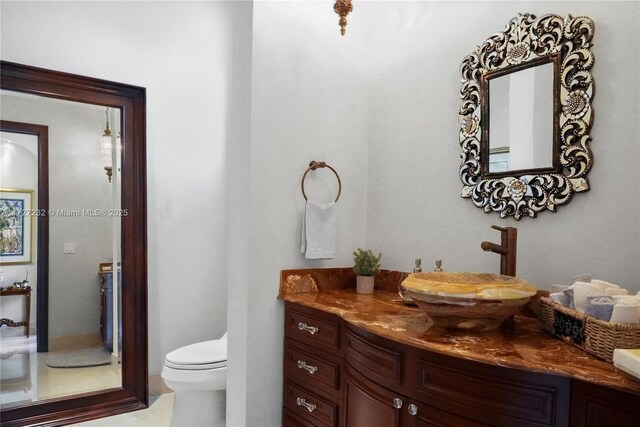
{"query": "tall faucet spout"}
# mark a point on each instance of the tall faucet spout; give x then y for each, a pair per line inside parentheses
(507, 249)
(492, 247)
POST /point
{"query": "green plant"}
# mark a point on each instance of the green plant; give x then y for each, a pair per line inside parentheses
(365, 262)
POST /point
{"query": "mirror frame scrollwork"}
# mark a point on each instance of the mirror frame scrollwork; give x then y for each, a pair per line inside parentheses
(526, 42)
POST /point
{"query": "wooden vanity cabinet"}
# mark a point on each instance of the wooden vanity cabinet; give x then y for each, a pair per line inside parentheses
(336, 374)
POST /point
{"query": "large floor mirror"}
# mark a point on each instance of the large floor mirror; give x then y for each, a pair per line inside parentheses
(73, 258)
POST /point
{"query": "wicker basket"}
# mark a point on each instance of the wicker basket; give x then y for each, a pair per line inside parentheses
(592, 335)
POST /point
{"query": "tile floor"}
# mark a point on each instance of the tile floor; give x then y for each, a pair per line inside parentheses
(24, 375)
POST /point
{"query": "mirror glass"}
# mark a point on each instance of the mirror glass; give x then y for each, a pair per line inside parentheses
(80, 350)
(521, 120)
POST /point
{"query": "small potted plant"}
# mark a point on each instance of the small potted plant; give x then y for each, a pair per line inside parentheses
(366, 265)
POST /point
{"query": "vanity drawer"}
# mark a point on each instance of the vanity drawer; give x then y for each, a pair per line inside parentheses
(289, 419)
(305, 365)
(382, 365)
(309, 406)
(321, 332)
(500, 400)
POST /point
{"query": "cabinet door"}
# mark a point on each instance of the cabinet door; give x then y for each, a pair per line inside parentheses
(493, 395)
(370, 405)
(595, 406)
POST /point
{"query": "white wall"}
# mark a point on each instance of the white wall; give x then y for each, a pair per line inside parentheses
(395, 74)
(238, 160)
(77, 181)
(414, 148)
(181, 53)
(309, 102)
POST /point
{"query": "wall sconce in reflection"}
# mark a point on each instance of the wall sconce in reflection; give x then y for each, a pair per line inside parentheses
(106, 148)
(342, 8)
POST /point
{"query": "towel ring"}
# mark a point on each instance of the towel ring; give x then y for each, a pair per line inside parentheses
(313, 165)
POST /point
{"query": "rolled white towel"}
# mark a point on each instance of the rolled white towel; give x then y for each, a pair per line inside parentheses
(600, 307)
(626, 311)
(615, 291)
(582, 290)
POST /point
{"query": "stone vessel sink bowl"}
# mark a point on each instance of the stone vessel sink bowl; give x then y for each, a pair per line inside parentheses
(467, 301)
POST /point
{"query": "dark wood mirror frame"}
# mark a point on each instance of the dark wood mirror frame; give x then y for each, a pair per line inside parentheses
(131, 101)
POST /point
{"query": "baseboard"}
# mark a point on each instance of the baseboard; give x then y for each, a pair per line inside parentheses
(75, 342)
(157, 386)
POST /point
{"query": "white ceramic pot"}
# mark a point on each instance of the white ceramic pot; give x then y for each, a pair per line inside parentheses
(364, 284)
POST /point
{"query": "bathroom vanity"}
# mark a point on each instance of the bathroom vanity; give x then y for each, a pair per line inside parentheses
(368, 360)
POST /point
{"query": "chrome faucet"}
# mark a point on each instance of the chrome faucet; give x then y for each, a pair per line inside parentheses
(507, 249)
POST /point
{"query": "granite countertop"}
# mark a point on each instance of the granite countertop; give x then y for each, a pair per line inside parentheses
(520, 344)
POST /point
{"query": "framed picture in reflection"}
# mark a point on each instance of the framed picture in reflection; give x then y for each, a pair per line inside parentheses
(17, 216)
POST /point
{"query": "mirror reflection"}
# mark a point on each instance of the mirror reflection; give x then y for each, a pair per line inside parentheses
(521, 120)
(75, 348)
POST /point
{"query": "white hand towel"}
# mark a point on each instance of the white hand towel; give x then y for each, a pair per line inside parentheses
(626, 311)
(319, 230)
(582, 290)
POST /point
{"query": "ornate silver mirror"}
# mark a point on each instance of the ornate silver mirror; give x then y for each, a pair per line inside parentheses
(525, 116)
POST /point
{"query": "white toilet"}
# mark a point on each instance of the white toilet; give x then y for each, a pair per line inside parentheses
(197, 373)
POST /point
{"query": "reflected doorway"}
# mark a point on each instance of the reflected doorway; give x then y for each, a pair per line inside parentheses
(61, 238)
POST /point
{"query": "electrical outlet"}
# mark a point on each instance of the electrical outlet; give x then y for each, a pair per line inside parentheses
(70, 248)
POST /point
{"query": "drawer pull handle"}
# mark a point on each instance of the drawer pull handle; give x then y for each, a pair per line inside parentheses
(413, 409)
(310, 406)
(397, 403)
(304, 327)
(303, 365)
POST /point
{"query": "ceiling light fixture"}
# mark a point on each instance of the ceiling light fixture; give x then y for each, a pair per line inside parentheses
(106, 147)
(342, 8)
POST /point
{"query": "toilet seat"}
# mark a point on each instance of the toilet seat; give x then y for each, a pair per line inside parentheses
(199, 356)
(195, 367)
